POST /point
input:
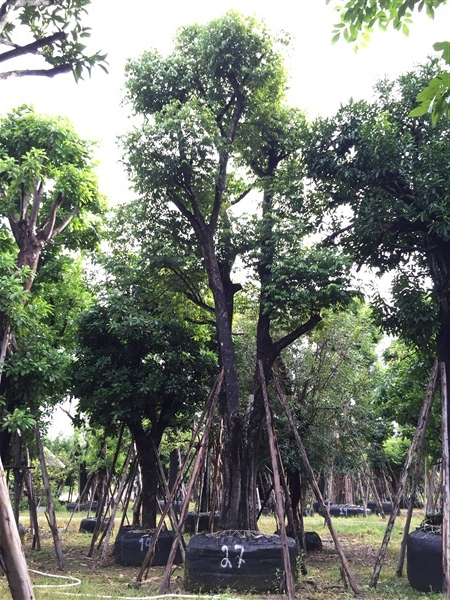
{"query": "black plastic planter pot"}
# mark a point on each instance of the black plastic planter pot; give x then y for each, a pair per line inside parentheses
(387, 507)
(131, 545)
(87, 525)
(424, 561)
(203, 522)
(345, 510)
(242, 561)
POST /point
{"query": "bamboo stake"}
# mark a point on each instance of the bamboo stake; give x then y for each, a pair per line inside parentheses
(179, 479)
(446, 485)
(414, 484)
(421, 423)
(32, 504)
(165, 488)
(288, 576)
(317, 492)
(78, 502)
(165, 584)
(116, 500)
(11, 548)
(50, 512)
(99, 513)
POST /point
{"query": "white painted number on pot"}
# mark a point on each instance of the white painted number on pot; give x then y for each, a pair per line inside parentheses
(239, 558)
(225, 563)
(145, 542)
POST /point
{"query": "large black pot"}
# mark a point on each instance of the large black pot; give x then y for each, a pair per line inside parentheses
(202, 519)
(131, 545)
(424, 561)
(345, 510)
(87, 525)
(243, 561)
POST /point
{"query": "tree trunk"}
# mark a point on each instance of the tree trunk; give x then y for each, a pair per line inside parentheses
(149, 474)
(11, 548)
(51, 516)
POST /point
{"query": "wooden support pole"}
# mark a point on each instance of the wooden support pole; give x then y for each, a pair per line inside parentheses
(421, 424)
(166, 493)
(115, 501)
(209, 408)
(446, 484)
(100, 509)
(50, 512)
(317, 492)
(165, 584)
(414, 484)
(288, 576)
(11, 548)
(32, 505)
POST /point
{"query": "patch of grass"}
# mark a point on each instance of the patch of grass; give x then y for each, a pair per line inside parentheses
(360, 537)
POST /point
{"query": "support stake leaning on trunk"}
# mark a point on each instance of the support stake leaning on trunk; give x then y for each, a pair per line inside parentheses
(415, 481)
(208, 409)
(289, 579)
(446, 485)
(317, 492)
(50, 512)
(421, 423)
(11, 548)
(165, 584)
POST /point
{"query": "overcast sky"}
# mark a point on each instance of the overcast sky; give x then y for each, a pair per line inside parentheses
(322, 75)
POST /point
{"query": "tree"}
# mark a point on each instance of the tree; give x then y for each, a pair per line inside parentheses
(52, 31)
(140, 364)
(391, 170)
(359, 18)
(215, 128)
(47, 190)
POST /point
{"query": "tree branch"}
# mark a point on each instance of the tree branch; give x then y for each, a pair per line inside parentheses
(33, 47)
(37, 198)
(7, 7)
(66, 221)
(66, 68)
(288, 339)
(46, 229)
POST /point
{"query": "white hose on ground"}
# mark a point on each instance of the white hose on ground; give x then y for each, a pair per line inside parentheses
(76, 581)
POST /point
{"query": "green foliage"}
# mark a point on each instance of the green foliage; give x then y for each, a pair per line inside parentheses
(391, 171)
(52, 30)
(135, 364)
(47, 179)
(20, 420)
(331, 376)
(402, 390)
(357, 20)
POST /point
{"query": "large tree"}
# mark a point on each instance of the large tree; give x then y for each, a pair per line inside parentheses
(139, 363)
(50, 34)
(216, 133)
(391, 172)
(48, 190)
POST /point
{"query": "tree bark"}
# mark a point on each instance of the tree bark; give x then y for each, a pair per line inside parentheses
(11, 548)
(149, 473)
(51, 516)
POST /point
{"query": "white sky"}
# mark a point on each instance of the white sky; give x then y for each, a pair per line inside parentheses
(322, 75)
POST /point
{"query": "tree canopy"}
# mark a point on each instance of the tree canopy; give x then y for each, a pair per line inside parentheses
(216, 133)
